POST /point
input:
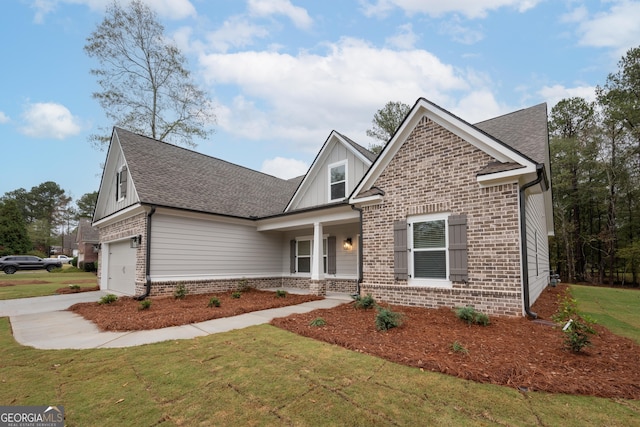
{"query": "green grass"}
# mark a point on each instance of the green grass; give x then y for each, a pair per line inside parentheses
(616, 309)
(24, 286)
(266, 376)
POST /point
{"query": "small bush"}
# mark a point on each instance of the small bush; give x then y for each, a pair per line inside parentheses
(456, 347)
(577, 335)
(236, 295)
(567, 308)
(387, 319)
(180, 292)
(470, 315)
(281, 294)
(144, 304)
(365, 302)
(318, 321)
(243, 286)
(74, 287)
(214, 302)
(108, 299)
(74, 261)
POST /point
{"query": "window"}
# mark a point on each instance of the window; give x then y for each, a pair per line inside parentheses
(429, 249)
(337, 181)
(303, 255)
(121, 183)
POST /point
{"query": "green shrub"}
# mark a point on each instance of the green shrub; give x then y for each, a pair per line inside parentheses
(470, 315)
(387, 319)
(567, 308)
(456, 347)
(243, 286)
(144, 304)
(180, 292)
(74, 287)
(214, 302)
(108, 299)
(281, 294)
(365, 302)
(88, 266)
(577, 335)
(318, 321)
(74, 261)
(236, 295)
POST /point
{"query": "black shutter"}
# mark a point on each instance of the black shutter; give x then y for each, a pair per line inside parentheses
(458, 272)
(331, 255)
(292, 256)
(400, 269)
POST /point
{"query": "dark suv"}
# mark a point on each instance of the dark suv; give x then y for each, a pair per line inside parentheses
(12, 263)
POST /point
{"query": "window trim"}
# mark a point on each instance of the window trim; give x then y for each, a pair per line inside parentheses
(325, 258)
(428, 282)
(120, 195)
(346, 176)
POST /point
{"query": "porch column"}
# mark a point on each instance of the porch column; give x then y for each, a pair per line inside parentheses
(317, 284)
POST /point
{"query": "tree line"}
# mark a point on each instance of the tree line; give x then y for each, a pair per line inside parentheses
(33, 221)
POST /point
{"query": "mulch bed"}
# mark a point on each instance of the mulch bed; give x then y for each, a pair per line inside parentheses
(125, 314)
(516, 352)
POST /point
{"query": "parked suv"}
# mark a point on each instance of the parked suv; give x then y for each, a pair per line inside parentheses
(12, 263)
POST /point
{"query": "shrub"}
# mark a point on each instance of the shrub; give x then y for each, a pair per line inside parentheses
(243, 286)
(567, 308)
(74, 287)
(470, 315)
(88, 266)
(365, 302)
(281, 294)
(577, 335)
(108, 299)
(74, 261)
(180, 292)
(214, 302)
(456, 347)
(318, 321)
(387, 319)
(144, 304)
(236, 295)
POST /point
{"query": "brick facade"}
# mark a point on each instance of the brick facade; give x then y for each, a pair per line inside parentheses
(435, 172)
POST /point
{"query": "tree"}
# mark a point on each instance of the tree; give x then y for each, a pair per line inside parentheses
(385, 123)
(146, 86)
(86, 205)
(14, 238)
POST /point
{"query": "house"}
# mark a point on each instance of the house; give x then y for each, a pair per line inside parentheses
(87, 239)
(447, 214)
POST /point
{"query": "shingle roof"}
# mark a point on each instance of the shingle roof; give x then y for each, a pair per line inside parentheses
(368, 154)
(171, 176)
(524, 130)
(87, 232)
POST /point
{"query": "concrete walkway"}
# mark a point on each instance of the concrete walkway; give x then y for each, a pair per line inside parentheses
(42, 323)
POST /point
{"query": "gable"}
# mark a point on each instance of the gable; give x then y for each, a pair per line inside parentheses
(338, 153)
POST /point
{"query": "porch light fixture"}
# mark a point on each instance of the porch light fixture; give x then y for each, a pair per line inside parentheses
(97, 247)
(136, 240)
(347, 245)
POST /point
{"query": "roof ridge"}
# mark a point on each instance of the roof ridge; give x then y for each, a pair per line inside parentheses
(510, 113)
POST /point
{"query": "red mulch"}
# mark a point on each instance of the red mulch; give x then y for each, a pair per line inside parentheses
(125, 314)
(515, 352)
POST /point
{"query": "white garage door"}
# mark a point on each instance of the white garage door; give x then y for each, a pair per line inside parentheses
(122, 268)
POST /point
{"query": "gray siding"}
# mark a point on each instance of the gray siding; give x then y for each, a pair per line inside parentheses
(197, 248)
(316, 191)
(537, 246)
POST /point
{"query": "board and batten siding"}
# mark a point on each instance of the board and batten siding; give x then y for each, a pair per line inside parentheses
(317, 193)
(537, 246)
(191, 248)
(108, 203)
(346, 261)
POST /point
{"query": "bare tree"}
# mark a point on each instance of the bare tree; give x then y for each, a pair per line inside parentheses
(146, 86)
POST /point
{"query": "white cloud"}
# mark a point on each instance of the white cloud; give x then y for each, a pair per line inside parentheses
(405, 39)
(49, 120)
(478, 106)
(171, 9)
(556, 93)
(297, 15)
(299, 99)
(617, 28)
(4, 118)
(469, 8)
(284, 168)
(460, 33)
(235, 32)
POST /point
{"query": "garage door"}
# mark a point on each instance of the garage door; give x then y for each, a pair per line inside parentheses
(122, 268)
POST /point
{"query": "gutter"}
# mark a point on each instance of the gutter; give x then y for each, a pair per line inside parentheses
(360, 256)
(523, 232)
(147, 258)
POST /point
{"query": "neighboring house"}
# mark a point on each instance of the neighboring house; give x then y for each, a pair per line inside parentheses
(88, 239)
(448, 214)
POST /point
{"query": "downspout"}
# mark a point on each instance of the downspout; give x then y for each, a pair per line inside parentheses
(147, 266)
(360, 256)
(523, 233)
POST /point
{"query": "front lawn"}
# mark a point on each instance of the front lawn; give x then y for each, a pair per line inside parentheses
(41, 283)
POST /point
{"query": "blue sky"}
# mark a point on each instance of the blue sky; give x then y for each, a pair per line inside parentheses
(283, 73)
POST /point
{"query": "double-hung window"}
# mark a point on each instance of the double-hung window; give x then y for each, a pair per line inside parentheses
(121, 183)
(428, 250)
(304, 251)
(337, 181)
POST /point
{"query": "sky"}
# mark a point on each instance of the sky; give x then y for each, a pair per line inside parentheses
(282, 74)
